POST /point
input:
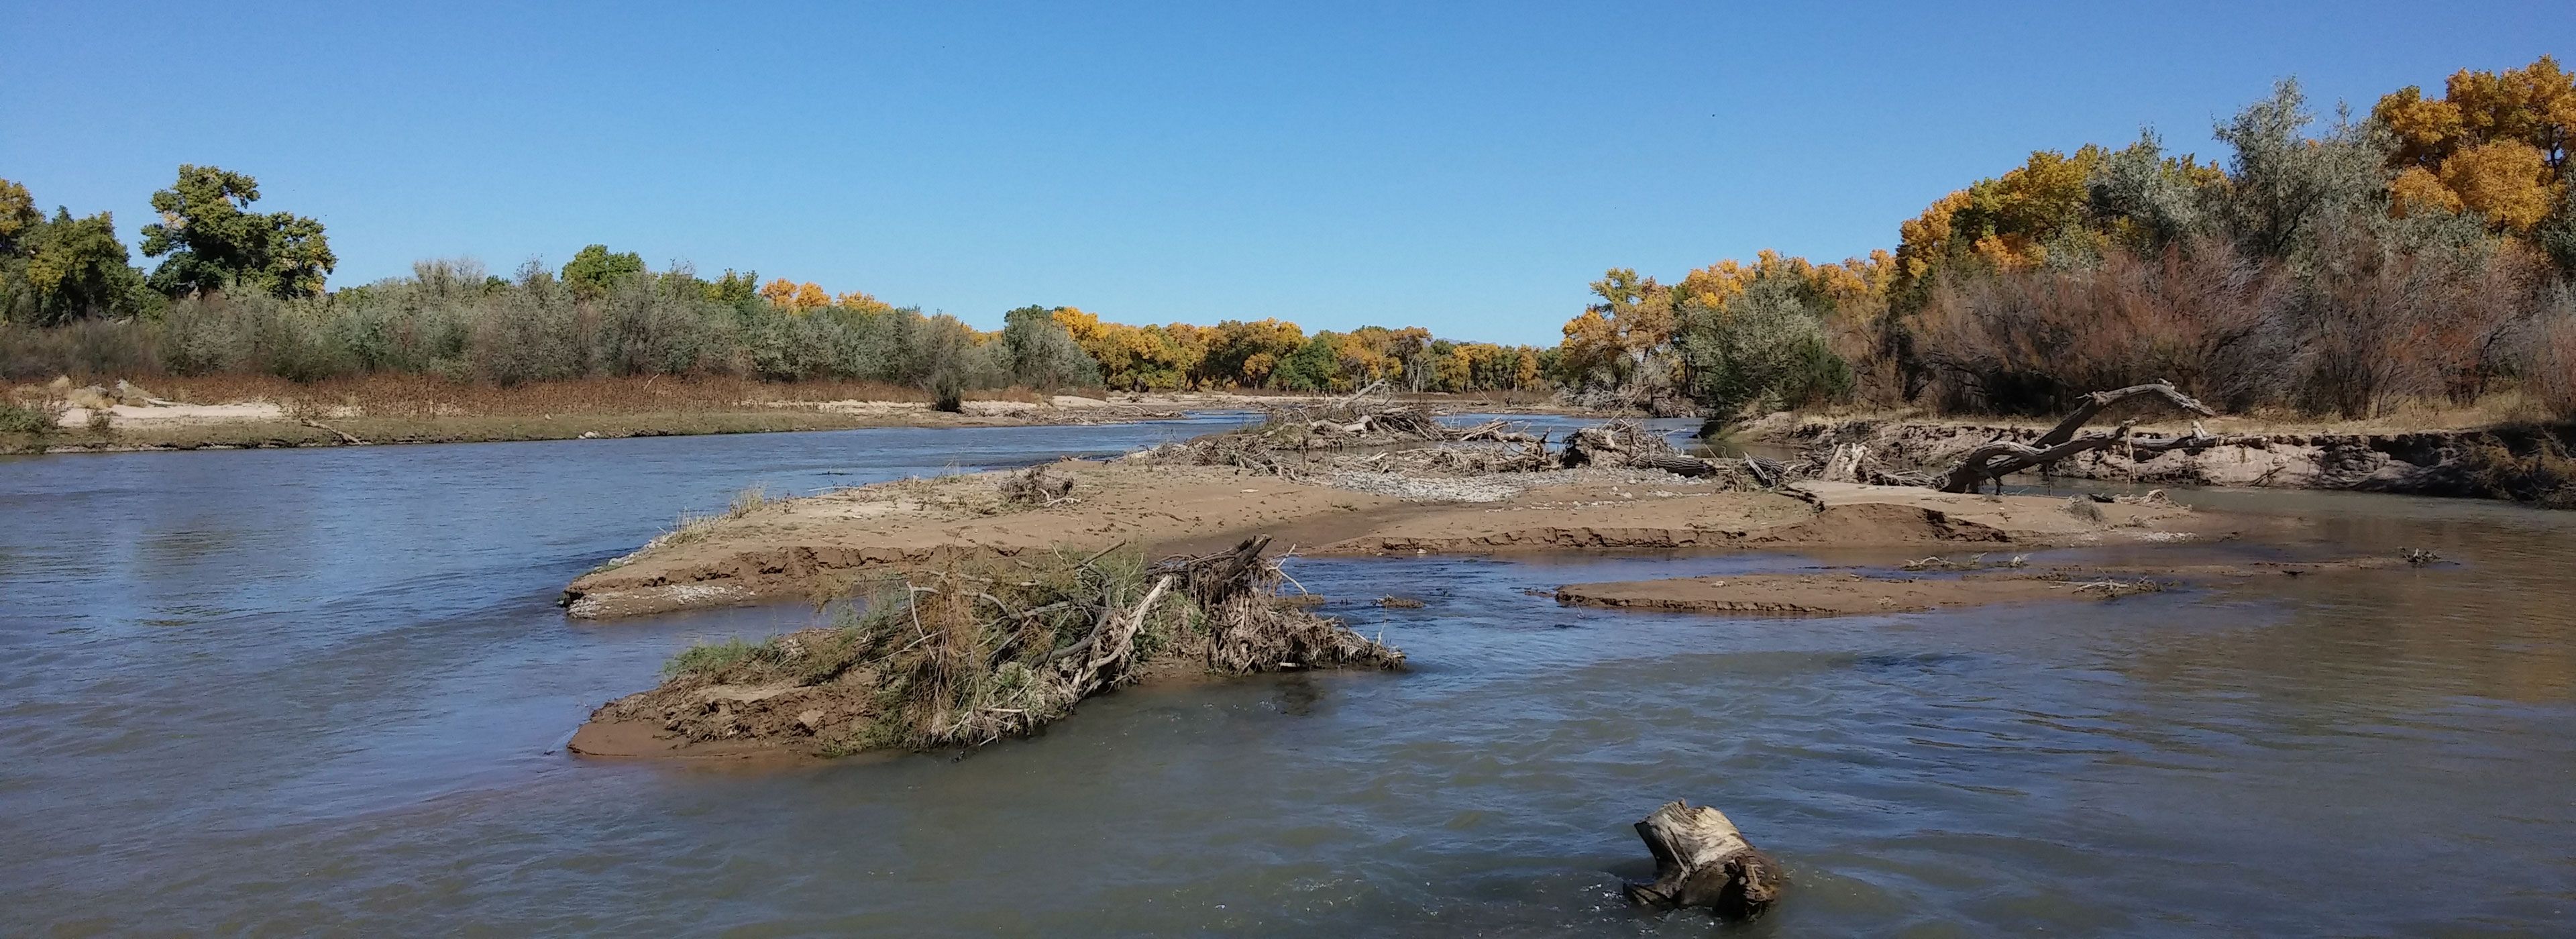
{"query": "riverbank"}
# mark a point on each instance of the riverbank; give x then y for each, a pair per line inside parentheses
(238, 413)
(257, 426)
(2471, 457)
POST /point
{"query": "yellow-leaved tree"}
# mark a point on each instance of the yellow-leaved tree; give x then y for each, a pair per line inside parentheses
(2495, 143)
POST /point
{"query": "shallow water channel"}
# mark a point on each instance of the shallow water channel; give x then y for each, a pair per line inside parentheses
(326, 691)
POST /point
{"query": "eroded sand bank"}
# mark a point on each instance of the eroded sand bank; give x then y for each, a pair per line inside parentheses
(814, 545)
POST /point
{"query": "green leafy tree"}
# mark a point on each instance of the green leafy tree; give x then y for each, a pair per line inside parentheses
(1042, 353)
(2284, 187)
(17, 214)
(1310, 368)
(213, 241)
(1762, 349)
(739, 291)
(594, 270)
(63, 269)
(77, 269)
(2149, 200)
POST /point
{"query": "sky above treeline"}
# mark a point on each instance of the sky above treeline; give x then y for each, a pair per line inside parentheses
(1464, 167)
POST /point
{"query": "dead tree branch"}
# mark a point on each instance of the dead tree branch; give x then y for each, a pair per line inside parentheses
(1997, 459)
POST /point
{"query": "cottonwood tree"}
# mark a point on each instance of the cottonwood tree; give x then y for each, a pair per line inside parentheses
(53, 271)
(595, 269)
(213, 241)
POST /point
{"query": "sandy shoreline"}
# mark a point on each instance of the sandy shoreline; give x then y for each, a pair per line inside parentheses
(820, 545)
(1851, 593)
(265, 424)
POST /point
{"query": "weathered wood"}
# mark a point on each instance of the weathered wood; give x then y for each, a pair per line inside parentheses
(1113, 644)
(2099, 401)
(346, 438)
(1674, 463)
(1844, 466)
(1701, 860)
(1997, 459)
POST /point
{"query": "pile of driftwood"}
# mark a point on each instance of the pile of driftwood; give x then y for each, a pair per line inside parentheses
(1296, 440)
(1370, 417)
(971, 653)
(1244, 628)
(1036, 487)
(1626, 443)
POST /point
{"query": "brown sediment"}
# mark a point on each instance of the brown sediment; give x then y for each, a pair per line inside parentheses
(1848, 594)
(1811, 594)
(819, 544)
(763, 724)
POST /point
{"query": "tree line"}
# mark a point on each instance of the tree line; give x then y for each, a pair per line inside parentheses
(241, 291)
(2422, 252)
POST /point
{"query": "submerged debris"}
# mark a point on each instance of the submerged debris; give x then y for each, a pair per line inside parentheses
(1977, 562)
(2116, 588)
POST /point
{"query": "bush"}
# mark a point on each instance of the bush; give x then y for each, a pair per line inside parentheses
(2553, 368)
(21, 419)
(535, 333)
(2029, 341)
(82, 347)
(949, 395)
(1041, 352)
(1763, 349)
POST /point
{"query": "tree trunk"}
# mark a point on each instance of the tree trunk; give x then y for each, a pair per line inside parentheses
(1998, 459)
(1701, 860)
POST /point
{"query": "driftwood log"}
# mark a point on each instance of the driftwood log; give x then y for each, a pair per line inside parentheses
(1701, 860)
(1629, 444)
(1996, 459)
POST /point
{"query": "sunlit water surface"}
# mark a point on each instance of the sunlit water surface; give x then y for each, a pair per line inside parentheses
(327, 690)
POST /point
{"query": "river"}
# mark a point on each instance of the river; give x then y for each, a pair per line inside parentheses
(326, 691)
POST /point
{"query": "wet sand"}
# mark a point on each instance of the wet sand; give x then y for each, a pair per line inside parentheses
(818, 546)
(1850, 593)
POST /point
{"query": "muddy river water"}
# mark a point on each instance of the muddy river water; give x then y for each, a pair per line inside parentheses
(325, 691)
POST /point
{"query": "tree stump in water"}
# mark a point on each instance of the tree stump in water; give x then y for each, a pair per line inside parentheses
(1702, 861)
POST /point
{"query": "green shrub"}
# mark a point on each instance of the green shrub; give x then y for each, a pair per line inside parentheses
(20, 419)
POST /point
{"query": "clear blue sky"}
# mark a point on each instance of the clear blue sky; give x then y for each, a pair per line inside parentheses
(1467, 167)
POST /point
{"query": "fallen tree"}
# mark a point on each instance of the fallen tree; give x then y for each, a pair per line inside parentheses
(1996, 459)
(1701, 860)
